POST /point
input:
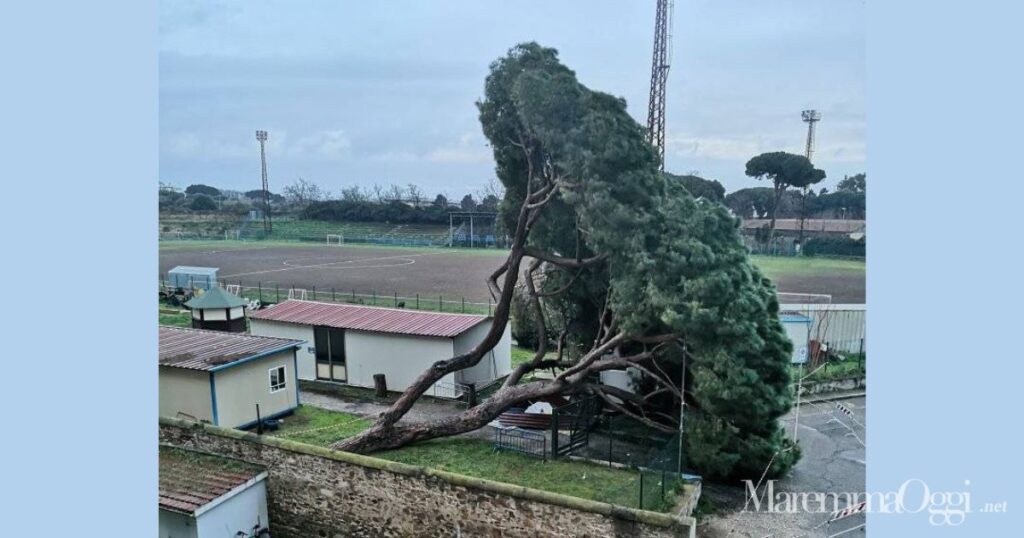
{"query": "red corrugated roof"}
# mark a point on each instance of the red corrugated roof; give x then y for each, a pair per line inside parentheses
(190, 480)
(197, 349)
(370, 318)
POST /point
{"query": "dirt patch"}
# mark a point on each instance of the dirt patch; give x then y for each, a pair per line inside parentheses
(429, 272)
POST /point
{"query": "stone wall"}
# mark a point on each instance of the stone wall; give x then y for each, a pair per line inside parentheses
(319, 493)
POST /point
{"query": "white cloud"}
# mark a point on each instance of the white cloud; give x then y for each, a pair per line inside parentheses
(324, 145)
(470, 149)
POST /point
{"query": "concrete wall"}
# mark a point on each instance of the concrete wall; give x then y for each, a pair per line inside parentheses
(241, 387)
(185, 391)
(496, 364)
(318, 492)
(176, 525)
(400, 358)
(306, 354)
(241, 512)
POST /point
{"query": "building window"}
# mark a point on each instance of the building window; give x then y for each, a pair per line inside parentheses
(277, 379)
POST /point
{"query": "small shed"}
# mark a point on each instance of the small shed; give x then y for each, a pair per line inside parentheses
(798, 329)
(221, 378)
(208, 496)
(351, 343)
(218, 310)
(188, 277)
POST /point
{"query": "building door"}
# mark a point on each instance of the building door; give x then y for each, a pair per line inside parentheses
(330, 354)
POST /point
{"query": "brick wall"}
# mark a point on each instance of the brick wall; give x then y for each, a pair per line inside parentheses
(320, 493)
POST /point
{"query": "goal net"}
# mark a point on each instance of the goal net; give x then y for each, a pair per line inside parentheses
(335, 239)
(234, 289)
(297, 293)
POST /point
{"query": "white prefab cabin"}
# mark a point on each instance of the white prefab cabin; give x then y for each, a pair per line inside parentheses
(350, 343)
(220, 377)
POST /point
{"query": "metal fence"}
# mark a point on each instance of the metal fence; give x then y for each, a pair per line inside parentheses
(276, 293)
(529, 442)
(842, 327)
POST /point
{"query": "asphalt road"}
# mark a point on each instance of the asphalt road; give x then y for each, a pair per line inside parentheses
(833, 462)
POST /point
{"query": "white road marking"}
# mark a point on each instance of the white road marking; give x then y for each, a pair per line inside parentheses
(407, 259)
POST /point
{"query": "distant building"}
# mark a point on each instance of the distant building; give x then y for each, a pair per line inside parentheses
(351, 343)
(207, 496)
(220, 377)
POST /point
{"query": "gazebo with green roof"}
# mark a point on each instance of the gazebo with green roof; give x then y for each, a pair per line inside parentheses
(218, 310)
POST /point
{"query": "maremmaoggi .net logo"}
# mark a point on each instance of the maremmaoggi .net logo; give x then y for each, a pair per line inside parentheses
(943, 508)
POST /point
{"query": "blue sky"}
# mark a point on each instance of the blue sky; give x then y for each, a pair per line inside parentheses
(357, 93)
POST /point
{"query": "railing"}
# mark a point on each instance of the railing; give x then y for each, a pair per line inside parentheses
(448, 390)
(276, 293)
(529, 442)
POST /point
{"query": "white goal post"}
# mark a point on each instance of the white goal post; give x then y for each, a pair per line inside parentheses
(335, 239)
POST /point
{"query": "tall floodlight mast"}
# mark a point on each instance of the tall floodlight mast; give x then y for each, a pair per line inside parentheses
(810, 117)
(261, 136)
(660, 62)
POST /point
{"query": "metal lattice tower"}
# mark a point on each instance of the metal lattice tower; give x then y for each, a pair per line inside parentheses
(660, 62)
(261, 136)
(810, 117)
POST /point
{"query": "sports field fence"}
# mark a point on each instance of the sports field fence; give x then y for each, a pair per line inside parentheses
(273, 293)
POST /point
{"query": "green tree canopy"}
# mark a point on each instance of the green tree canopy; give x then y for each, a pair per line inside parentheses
(199, 188)
(632, 271)
(201, 202)
(783, 170)
(854, 183)
(698, 187)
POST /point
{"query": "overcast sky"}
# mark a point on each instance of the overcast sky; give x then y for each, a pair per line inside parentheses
(383, 92)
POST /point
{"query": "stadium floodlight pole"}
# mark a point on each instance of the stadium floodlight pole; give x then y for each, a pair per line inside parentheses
(261, 136)
(810, 117)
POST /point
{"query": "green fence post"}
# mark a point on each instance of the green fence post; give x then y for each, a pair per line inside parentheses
(374, 297)
(662, 485)
(641, 490)
(463, 305)
(332, 295)
(314, 293)
(353, 295)
(259, 286)
(417, 301)
(554, 433)
(396, 299)
(610, 441)
(440, 303)
(277, 292)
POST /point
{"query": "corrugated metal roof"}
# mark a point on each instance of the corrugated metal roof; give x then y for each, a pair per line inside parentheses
(370, 318)
(190, 480)
(196, 349)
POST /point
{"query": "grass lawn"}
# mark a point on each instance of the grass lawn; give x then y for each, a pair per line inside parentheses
(778, 266)
(477, 458)
(176, 320)
(833, 370)
(315, 426)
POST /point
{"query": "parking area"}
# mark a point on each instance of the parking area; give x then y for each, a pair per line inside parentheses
(832, 437)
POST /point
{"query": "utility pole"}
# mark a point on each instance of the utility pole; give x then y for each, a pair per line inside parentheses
(660, 62)
(261, 136)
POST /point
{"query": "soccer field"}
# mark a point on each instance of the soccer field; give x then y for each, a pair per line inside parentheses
(433, 272)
